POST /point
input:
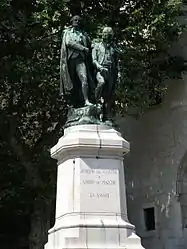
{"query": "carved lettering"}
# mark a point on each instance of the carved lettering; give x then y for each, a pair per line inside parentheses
(108, 182)
(98, 171)
(99, 195)
(105, 182)
(88, 181)
(103, 195)
(101, 180)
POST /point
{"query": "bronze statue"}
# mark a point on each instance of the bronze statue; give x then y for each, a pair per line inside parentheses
(105, 60)
(78, 66)
(75, 75)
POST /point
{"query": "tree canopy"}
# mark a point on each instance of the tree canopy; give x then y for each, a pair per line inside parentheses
(32, 114)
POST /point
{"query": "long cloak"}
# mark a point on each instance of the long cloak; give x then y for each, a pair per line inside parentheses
(66, 84)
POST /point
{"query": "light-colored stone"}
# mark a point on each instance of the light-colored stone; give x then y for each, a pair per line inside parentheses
(89, 140)
(91, 197)
(156, 169)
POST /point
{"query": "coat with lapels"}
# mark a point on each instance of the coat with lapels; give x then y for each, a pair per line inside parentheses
(98, 55)
(73, 45)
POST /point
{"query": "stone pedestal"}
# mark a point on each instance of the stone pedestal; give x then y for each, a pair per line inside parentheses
(91, 207)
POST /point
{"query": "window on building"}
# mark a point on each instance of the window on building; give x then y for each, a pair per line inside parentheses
(149, 218)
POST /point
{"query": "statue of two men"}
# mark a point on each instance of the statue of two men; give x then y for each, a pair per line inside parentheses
(81, 66)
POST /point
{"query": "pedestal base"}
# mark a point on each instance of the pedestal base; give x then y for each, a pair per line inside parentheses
(93, 237)
(91, 198)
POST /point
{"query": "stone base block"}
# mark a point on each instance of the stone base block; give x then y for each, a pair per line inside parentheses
(91, 207)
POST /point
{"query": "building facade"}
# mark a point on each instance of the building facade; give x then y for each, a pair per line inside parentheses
(156, 171)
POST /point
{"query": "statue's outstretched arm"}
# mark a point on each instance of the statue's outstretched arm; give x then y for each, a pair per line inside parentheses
(70, 42)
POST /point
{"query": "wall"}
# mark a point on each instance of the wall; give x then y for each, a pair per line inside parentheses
(158, 143)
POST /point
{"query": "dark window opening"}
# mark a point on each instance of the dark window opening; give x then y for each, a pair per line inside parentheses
(149, 218)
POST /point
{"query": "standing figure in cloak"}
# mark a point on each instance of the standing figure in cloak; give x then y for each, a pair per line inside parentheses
(75, 77)
(105, 60)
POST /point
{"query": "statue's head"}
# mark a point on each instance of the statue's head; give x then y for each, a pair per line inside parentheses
(108, 34)
(76, 21)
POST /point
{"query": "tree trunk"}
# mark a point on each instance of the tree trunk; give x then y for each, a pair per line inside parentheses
(40, 224)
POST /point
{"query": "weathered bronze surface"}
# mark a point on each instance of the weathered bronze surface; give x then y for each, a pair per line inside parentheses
(75, 65)
(105, 60)
(87, 76)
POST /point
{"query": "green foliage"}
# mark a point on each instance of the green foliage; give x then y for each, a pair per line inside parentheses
(31, 113)
(148, 32)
